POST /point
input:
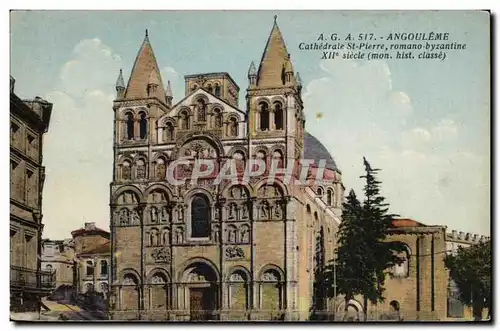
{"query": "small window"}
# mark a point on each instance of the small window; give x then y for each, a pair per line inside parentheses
(143, 126)
(90, 268)
(278, 116)
(264, 117)
(130, 126)
(104, 267)
(217, 90)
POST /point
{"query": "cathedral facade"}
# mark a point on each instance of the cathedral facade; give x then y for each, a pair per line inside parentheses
(218, 250)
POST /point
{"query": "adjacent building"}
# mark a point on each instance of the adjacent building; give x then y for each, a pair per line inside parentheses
(58, 257)
(246, 251)
(29, 121)
(92, 256)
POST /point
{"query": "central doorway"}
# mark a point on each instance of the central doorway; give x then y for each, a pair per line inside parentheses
(201, 291)
(202, 303)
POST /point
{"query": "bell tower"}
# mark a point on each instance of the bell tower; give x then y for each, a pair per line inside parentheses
(274, 100)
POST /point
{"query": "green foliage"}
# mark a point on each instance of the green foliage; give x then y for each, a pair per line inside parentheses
(364, 255)
(470, 269)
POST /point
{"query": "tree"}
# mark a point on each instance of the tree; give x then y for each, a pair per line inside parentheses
(348, 271)
(376, 221)
(470, 269)
(363, 255)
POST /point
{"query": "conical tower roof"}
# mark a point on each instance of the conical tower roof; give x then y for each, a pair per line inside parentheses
(144, 64)
(168, 92)
(274, 56)
(119, 81)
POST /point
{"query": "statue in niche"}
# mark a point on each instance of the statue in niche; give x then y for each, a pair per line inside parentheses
(166, 237)
(180, 212)
(231, 235)
(141, 170)
(135, 219)
(126, 172)
(200, 108)
(244, 234)
(233, 129)
(161, 171)
(244, 211)
(231, 211)
(165, 215)
(216, 213)
(179, 235)
(124, 217)
(154, 238)
(187, 152)
(278, 211)
(264, 208)
(154, 215)
(215, 233)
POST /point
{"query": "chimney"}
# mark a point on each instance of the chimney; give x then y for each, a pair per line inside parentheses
(90, 226)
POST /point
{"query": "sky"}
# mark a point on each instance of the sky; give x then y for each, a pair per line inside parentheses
(424, 123)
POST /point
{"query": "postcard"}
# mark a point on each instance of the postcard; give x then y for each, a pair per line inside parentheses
(243, 166)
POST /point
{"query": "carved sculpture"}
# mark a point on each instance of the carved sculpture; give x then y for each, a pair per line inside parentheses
(179, 235)
(165, 215)
(234, 253)
(154, 215)
(161, 255)
(231, 235)
(244, 234)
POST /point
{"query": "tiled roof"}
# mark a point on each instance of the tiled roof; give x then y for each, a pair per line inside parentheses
(405, 223)
(103, 249)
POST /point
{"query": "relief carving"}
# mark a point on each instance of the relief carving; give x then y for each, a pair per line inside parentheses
(162, 255)
(234, 253)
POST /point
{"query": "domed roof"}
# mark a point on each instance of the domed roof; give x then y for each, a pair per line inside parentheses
(315, 150)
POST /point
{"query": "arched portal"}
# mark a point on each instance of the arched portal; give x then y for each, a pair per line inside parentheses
(201, 292)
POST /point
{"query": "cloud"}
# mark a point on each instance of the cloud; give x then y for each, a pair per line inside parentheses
(429, 172)
(78, 147)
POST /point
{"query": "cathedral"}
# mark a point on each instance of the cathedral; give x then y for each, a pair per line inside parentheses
(208, 250)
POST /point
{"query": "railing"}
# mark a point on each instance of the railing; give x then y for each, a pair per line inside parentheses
(30, 278)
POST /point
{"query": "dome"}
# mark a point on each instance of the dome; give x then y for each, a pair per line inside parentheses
(315, 150)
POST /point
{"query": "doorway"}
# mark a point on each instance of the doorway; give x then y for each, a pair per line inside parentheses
(202, 303)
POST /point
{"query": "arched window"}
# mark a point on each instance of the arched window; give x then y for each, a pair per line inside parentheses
(143, 125)
(104, 268)
(130, 126)
(89, 269)
(210, 88)
(402, 269)
(329, 196)
(238, 291)
(201, 110)
(200, 217)
(217, 118)
(233, 127)
(278, 116)
(217, 90)
(48, 267)
(270, 292)
(184, 118)
(264, 116)
(308, 209)
(169, 132)
(319, 191)
(315, 216)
